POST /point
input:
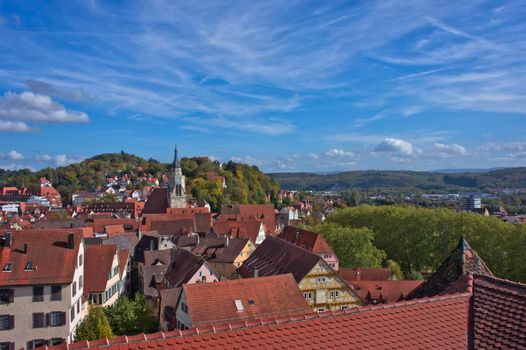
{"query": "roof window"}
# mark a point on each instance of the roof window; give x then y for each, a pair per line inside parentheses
(251, 302)
(8, 267)
(29, 266)
(239, 305)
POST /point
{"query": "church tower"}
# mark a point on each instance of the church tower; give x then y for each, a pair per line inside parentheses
(177, 196)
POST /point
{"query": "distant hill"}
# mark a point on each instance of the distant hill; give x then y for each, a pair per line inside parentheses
(244, 183)
(425, 181)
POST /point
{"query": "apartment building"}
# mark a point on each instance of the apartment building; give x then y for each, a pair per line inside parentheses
(41, 287)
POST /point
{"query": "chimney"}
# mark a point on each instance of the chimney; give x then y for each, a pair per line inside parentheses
(256, 272)
(8, 239)
(71, 240)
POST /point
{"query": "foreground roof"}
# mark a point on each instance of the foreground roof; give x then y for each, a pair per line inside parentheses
(260, 297)
(429, 323)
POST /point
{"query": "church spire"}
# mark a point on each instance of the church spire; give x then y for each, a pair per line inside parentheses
(176, 163)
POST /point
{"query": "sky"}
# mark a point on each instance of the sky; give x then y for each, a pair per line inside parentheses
(285, 85)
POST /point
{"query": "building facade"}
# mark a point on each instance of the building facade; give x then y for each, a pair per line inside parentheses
(177, 193)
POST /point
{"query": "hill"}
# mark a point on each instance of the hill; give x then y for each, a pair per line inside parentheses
(424, 181)
(244, 183)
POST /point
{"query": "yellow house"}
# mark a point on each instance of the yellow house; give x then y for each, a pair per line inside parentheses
(321, 286)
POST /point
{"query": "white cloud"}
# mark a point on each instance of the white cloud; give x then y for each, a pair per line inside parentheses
(313, 156)
(63, 160)
(392, 145)
(335, 152)
(15, 166)
(16, 109)
(8, 125)
(14, 155)
(453, 149)
(43, 88)
(43, 158)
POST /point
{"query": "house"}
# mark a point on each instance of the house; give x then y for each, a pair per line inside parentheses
(236, 301)
(260, 212)
(224, 254)
(41, 287)
(171, 268)
(128, 241)
(250, 229)
(321, 286)
(483, 313)
(313, 242)
(106, 274)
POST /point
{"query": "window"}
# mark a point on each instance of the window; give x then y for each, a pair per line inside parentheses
(344, 307)
(6, 296)
(80, 260)
(6, 345)
(321, 280)
(81, 281)
(38, 294)
(7, 322)
(335, 294)
(74, 289)
(307, 295)
(38, 320)
(35, 343)
(184, 307)
(56, 293)
(29, 266)
(78, 306)
(251, 302)
(72, 313)
(56, 341)
(56, 319)
(321, 309)
(8, 267)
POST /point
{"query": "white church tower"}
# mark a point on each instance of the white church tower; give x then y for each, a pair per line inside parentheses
(177, 193)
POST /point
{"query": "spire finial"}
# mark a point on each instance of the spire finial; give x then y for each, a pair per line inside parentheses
(463, 245)
(176, 163)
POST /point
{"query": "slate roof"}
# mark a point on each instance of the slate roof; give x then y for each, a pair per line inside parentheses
(499, 314)
(429, 323)
(126, 240)
(53, 262)
(261, 297)
(365, 274)
(306, 239)
(463, 260)
(275, 256)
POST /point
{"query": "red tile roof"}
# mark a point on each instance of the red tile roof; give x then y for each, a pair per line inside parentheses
(248, 229)
(99, 224)
(270, 296)
(365, 274)
(306, 239)
(112, 230)
(430, 323)
(53, 262)
(124, 255)
(157, 202)
(97, 266)
(383, 291)
(499, 314)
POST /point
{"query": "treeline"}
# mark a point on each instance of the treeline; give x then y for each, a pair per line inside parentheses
(420, 239)
(413, 180)
(244, 183)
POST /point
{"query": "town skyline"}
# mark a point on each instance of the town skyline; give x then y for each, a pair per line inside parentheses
(286, 87)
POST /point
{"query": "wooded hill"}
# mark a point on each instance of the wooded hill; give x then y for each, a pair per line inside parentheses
(245, 183)
(424, 181)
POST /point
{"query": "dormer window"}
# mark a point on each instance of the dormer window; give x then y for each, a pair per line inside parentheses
(8, 267)
(29, 266)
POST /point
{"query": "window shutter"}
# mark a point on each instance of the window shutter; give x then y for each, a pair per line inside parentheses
(48, 319)
(11, 295)
(63, 315)
(12, 321)
(11, 346)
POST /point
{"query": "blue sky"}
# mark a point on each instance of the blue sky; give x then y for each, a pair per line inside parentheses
(285, 85)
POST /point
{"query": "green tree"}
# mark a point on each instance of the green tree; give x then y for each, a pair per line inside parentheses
(94, 326)
(353, 246)
(131, 316)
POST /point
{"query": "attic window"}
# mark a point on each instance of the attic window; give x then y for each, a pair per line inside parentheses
(239, 305)
(8, 267)
(251, 302)
(29, 266)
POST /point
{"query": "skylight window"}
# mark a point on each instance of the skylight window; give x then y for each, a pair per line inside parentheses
(251, 302)
(8, 267)
(239, 305)
(29, 266)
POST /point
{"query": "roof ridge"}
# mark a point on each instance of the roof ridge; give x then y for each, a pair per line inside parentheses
(500, 280)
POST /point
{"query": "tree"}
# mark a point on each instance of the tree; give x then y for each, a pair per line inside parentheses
(131, 316)
(395, 269)
(94, 326)
(353, 246)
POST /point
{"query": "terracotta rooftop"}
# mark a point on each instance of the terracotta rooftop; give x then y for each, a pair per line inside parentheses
(429, 323)
(52, 262)
(238, 228)
(383, 291)
(260, 297)
(306, 239)
(157, 202)
(365, 274)
(462, 261)
(97, 265)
